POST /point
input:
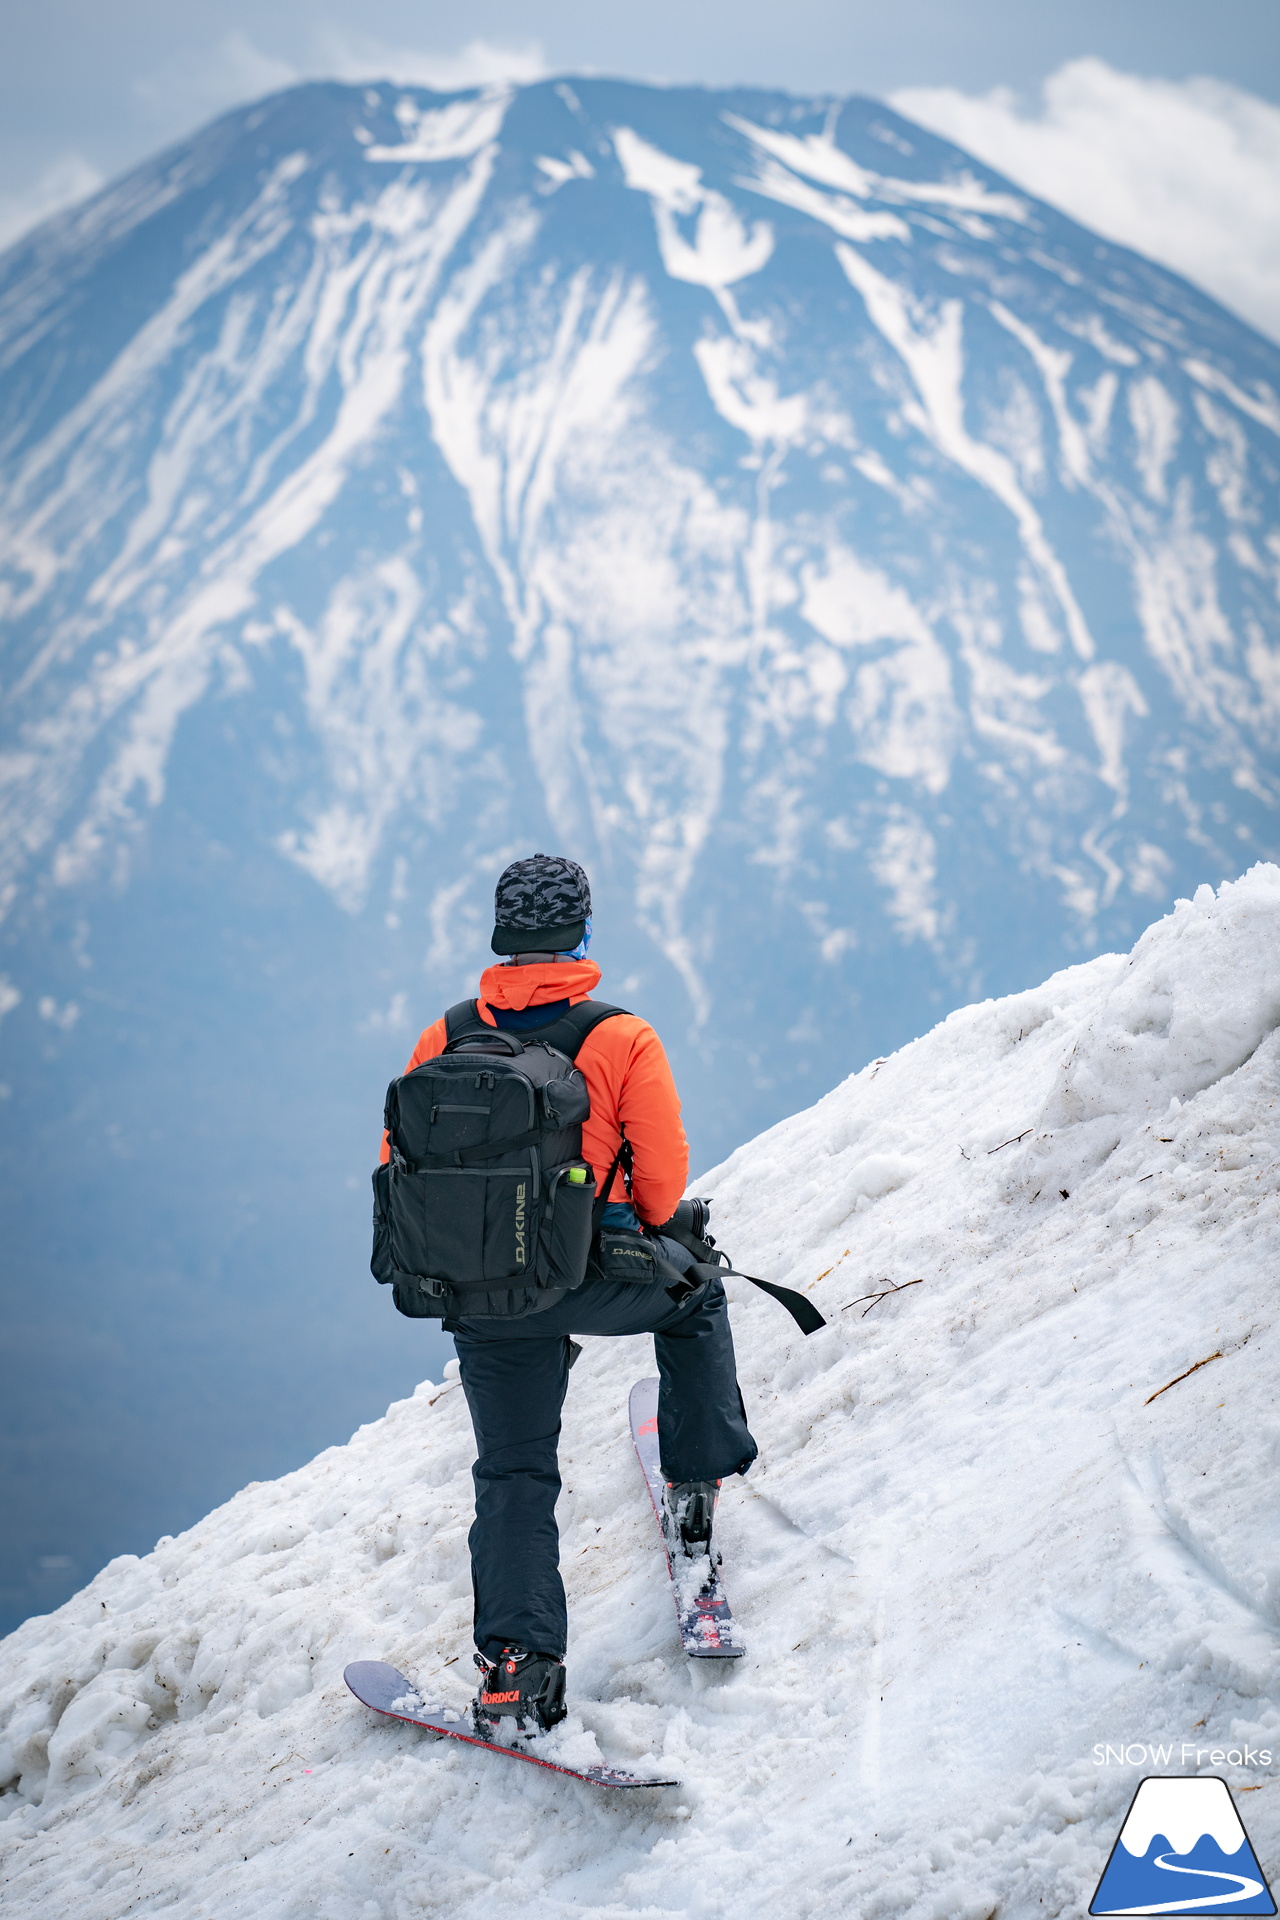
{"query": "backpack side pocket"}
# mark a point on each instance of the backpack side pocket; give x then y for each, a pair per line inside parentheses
(380, 1265)
(564, 1232)
(407, 1292)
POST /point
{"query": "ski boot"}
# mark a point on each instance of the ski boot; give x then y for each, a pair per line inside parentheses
(525, 1687)
(688, 1509)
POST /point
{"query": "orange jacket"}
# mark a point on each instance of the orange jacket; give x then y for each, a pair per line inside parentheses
(627, 1076)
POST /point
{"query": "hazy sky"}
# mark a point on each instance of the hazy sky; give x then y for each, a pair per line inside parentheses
(112, 82)
(1126, 135)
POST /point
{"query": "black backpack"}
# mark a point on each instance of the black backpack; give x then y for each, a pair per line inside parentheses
(486, 1205)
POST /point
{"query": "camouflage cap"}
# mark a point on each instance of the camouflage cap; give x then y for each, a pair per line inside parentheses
(541, 905)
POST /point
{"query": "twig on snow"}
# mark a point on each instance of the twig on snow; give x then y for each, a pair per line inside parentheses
(1008, 1143)
(1182, 1376)
(874, 1298)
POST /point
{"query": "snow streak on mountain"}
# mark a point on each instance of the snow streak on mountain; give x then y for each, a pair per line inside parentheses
(1009, 1544)
(870, 575)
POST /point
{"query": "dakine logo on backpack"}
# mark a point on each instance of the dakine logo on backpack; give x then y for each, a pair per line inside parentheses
(485, 1205)
(1182, 1850)
(521, 1248)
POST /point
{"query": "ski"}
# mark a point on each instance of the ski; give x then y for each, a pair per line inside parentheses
(381, 1687)
(707, 1626)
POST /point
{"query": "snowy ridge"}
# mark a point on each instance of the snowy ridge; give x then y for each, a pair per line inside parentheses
(987, 1530)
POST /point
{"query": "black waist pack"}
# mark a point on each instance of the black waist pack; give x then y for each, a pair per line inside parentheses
(486, 1205)
(620, 1253)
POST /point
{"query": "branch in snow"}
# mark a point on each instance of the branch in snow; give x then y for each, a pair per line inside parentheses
(874, 1297)
(1182, 1376)
(1007, 1143)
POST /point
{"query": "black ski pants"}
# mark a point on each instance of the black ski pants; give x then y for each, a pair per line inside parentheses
(514, 1374)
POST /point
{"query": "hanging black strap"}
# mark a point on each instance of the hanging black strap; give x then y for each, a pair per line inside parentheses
(707, 1254)
(802, 1311)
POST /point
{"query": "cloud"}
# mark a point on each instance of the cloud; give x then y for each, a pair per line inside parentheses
(240, 70)
(480, 63)
(201, 79)
(60, 185)
(1186, 172)
(236, 69)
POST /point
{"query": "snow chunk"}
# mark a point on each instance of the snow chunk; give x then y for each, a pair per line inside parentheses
(1195, 1000)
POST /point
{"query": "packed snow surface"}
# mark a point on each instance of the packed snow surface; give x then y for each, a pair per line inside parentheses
(1014, 1505)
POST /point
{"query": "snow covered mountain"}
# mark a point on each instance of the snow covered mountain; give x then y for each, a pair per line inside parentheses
(868, 573)
(1014, 1509)
(757, 494)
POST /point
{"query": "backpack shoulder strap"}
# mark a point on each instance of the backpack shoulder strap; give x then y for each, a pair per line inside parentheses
(568, 1032)
(463, 1018)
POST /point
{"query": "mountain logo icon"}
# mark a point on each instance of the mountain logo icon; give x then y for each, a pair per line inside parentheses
(1183, 1850)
